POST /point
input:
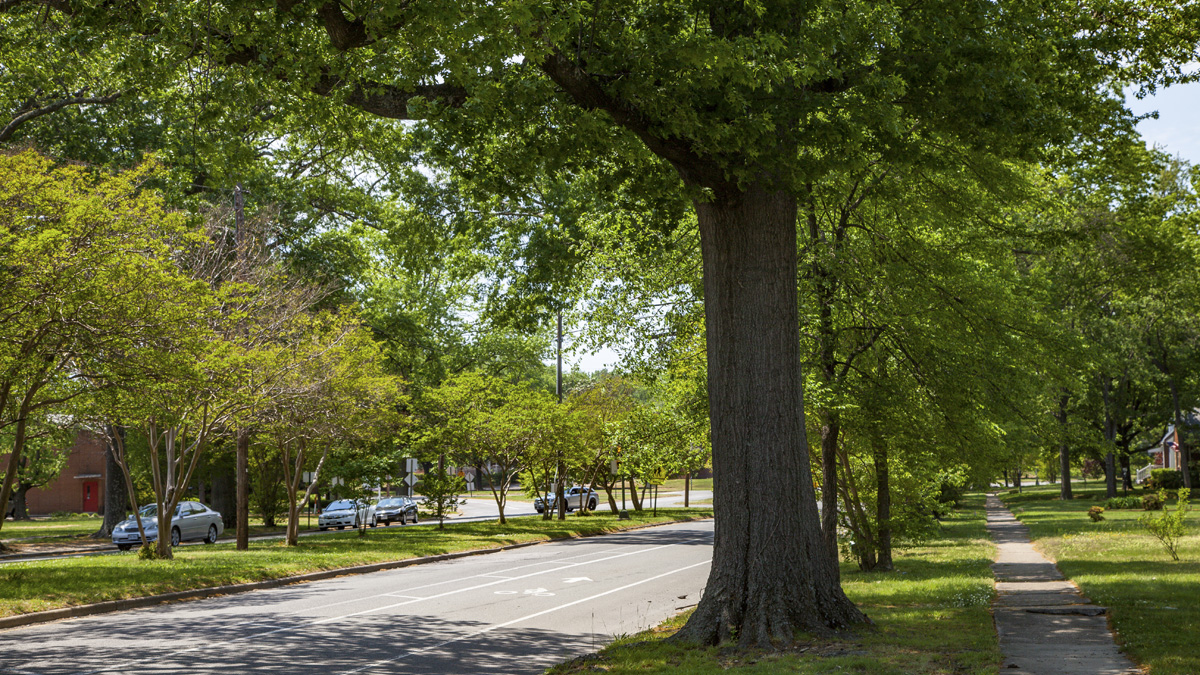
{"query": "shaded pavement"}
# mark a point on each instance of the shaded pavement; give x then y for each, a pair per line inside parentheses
(1046, 626)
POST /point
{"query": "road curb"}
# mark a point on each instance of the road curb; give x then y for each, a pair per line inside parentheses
(109, 606)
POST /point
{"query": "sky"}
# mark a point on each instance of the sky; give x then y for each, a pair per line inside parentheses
(1176, 131)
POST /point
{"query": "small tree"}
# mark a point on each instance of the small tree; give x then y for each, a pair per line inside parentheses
(441, 492)
(1169, 526)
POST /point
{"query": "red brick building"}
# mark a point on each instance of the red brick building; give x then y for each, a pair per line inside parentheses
(80, 486)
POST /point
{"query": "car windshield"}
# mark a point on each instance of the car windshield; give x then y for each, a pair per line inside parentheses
(390, 502)
(340, 505)
(151, 511)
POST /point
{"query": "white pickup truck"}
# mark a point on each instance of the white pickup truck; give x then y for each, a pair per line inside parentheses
(575, 499)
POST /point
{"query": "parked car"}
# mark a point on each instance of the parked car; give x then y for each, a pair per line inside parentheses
(575, 499)
(344, 513)
(191, 521)
(391, 509)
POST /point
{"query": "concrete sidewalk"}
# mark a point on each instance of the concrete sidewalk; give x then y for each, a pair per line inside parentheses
(1046, 626)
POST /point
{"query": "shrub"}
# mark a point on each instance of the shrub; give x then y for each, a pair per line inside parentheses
(1152, 502)
(1169, 526)
(1166, 479)
(1096, 513)
(1124, 503)
(951, 486)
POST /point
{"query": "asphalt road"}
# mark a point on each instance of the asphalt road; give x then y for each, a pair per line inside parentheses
(511, 612)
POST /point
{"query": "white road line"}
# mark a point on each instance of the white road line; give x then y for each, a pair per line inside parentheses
(524, 618)
(493, 583)
(209, 645)
(450, 581)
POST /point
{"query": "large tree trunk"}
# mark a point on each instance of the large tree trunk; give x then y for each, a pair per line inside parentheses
(771, 575)
(116, 499)
(242, 462)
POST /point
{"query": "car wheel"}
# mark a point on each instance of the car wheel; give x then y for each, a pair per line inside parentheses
(323, 528)
(212, 535)
(175, 536)
(124, 547)
(592, 505)
(341, 527)
(415, 518)
(374, 522)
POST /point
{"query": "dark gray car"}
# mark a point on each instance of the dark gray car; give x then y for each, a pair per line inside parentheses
(191, 521)
(392, 509)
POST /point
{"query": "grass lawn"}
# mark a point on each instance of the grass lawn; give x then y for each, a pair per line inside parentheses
(74, 526)
(35, 586)
(931, 618)
(1153, 601)
(676, 485)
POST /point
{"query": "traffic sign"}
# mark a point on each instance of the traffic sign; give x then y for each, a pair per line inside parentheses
(658, 477)
(470, 486)
(410, 480)
(613, 466)
(469, 473)
(410, 465)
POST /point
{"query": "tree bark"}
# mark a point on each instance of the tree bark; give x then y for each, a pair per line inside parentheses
(1064, 453)
(1126, 479)
(115, 497)
(243, 489)
(883, 507)
(1110, 475)
(1110, 435)
(830, 432)
(771, 575)
(20, 510)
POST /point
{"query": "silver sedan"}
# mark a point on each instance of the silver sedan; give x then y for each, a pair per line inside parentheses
(192, 520)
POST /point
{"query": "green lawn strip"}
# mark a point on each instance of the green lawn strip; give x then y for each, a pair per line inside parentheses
(37, 586)
(676, 485)
(931, 617)
(63, 528)
(1153, 601)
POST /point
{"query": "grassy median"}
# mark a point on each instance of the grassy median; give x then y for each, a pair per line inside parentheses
(931, 617)
(1153, 601)
(36, 586)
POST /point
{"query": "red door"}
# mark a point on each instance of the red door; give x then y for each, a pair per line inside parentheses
(91, 496)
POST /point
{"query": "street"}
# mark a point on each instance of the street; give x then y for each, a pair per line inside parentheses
(511, 612)
(480, 506)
